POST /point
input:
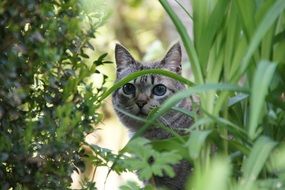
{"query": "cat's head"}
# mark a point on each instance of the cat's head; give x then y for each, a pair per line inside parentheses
(146, 92)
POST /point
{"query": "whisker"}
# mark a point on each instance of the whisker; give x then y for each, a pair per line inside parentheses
(127, 114)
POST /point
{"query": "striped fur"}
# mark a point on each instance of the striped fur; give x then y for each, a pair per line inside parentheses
(144, 85)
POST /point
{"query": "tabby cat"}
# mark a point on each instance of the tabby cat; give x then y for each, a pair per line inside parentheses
(147, 92)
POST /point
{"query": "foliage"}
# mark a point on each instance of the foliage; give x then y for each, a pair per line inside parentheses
(47, 103)
(148, 161)
(130, 186)
(141, 157)
(237, 59)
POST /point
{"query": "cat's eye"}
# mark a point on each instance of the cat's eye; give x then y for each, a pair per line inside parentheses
(159, 90)
(129, 89)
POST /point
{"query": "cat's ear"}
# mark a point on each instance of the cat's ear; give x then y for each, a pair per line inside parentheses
(172, 59)
(123, 57)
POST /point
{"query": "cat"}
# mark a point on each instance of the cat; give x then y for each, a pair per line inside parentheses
(147, 92)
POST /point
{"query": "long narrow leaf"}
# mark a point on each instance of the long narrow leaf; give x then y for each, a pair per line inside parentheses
(211, 30)
(136, 74)
(184, 9)
(196, 141)
(172, 101)
(188, 44)
(259, 90)
(247, 11)
(253, 165)
(215, 177)
(271, 16)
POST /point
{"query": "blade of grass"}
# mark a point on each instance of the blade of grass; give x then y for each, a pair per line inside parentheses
(145, 120)
(201, 10)
(214, 69)
(201, 15)
(232, 39)
(236, 145)
(246, 11)
(186, 112)
(173, 100)
(184, 9)
(236, 99)
(196, 141)
(266, 47)
(235, 129)
(200, 122)
(171, 131)
(259, 90)
(263, 9)
(130, 115)
(210, 31)
(271, 16)
(187, 42)
(215, 62)
(240, 50)
(215, 176)
(136, 74)
(253, 165)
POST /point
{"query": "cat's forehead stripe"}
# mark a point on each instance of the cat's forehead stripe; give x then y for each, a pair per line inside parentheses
(152, 79)
(144, 78)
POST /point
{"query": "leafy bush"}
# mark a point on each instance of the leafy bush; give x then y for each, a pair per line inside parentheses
(237, 59)
(47, 104)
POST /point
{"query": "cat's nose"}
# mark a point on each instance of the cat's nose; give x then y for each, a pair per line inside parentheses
(141, 103)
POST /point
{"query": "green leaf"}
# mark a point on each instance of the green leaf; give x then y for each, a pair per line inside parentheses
(100, 59)
(130, 185)
(214, 176)
(233, 128)
(236, 99)
(149, 162)
(196, 141)
(277, 164)
(173, 100)
(278, 53)
(247, 11)
(187, 42)
(259, 90)
(136, 74)
(271, 16)
(184, 9)
(231, 42)
(253, 165)
(171, 144)
(210, 30)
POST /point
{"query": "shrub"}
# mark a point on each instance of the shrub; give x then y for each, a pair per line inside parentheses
(47, 104)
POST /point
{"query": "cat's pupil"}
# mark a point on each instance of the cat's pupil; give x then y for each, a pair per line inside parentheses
(159, 90)
(129, 89)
